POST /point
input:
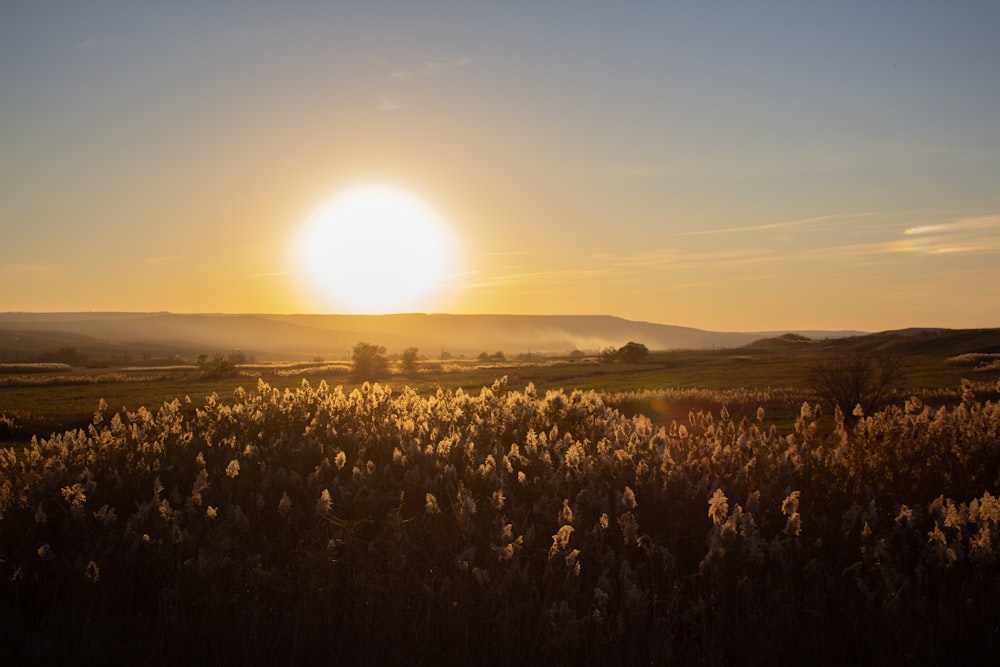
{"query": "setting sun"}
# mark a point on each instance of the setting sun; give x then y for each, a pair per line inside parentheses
(375, 249)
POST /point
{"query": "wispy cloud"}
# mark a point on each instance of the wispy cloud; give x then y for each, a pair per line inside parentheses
(674, 258)
(758, 228)
(93, 43)
(986, 222)
(428, 66)
(423, 67)
(538, 279)
(629, 172)
(979, 235)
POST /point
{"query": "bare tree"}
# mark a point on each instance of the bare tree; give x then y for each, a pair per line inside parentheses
(856, 378)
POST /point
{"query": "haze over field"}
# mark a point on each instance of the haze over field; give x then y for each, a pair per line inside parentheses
(726, 166)
(25, 336)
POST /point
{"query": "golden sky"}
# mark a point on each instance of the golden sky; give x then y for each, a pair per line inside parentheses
(727, 166)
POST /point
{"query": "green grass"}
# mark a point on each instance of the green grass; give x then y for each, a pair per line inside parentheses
(69, 402)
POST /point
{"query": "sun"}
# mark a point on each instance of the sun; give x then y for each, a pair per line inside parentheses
(375, 249)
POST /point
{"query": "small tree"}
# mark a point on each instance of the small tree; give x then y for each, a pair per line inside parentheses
(217, 366)
(855, 378)
(65, 355)
(609, 354)
(408, 362)
(368, 361)
(633, 352)
(629, 352)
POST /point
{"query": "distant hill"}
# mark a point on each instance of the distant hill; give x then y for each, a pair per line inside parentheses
(112, 336)
(913, 341)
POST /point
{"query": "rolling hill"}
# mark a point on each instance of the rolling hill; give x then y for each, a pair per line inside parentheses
(124, 336)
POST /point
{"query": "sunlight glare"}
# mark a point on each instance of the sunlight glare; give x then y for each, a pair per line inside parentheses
(375, 249)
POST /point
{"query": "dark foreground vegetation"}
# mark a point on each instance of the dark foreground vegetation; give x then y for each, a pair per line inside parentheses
(316, 525)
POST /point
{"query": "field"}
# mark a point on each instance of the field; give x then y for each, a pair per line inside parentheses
(695, 508)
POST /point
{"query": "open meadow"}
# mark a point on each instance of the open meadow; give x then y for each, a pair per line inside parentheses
(690, 508)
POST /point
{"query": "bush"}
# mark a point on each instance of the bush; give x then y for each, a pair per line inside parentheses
(630, 352)
(368, 362)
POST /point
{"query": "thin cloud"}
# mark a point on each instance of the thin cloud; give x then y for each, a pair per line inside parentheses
(631, 172)
(673, 258)
(987, 222)
(764, 227)
(975, 235)
(538, 278)
(429, 67)
(94, 43)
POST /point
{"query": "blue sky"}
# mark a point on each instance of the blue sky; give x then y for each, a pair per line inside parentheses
(731, 166)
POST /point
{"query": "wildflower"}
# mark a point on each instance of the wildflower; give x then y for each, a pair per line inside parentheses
(498, 499)
(340, 459)
(465, 504)
(200, 484)
(560, 540)
(905, 516)
(431, 504)
(44, 551)
(573, 562)
(210, 512)
(718, 507)
(630, 528)
(604, 521)
(75, 496)
(324, 503)
(285, 504)
(628, 498)
(791, 504)
(92, 572)
(567, 513)
(233, 469)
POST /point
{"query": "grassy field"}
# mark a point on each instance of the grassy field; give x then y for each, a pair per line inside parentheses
(504, 525)
(42, 403)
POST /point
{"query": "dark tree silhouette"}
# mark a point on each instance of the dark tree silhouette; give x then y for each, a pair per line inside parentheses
(408, 362)
(629, 352)
(368, 361)
(857, 378)
(632, 351)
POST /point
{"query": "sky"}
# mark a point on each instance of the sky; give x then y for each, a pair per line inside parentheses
(732, 166)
